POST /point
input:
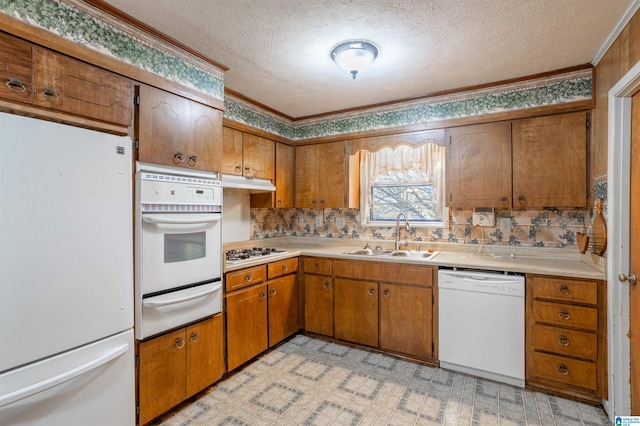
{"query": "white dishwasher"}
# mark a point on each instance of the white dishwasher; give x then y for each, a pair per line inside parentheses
(481, 324)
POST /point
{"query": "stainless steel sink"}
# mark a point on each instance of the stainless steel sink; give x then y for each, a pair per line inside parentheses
(415, 254)
(369, 252)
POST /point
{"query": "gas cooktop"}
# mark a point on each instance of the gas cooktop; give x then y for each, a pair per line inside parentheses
(245, 255)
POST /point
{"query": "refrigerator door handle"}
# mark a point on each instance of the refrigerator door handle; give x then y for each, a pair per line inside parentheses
(63, 377)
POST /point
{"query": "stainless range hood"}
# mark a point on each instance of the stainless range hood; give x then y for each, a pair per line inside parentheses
(253, 185)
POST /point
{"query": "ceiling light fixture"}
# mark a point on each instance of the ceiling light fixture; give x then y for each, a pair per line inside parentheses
(354, 56)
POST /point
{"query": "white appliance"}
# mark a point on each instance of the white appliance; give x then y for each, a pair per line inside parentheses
(178, 247)
(66, 275)
(481, 324)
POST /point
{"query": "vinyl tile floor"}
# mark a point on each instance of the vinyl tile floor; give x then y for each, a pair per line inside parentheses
(307, 381)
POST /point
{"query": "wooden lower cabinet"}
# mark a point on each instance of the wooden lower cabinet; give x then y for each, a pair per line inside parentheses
(318, 295)
(355, 311)
(566, 336)
(406, 319)
(262, 313)
(177, 365)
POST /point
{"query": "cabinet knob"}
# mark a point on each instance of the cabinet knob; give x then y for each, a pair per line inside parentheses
(238, 169)
(263, 295)
(564, 314)
(372, 291)
(194, 337)
(326, 284)
(272, 291)
(179, 343)
(522, 201)
(248, 277)
(50, 94)
(386, 292)
(564, 290)
(284, 268)
(247, 170)
(279, 202)
(15, 85)
(178, 158)
(505, 201)
(316, 265)
(193, 160)
(563, 340)
(562, 369)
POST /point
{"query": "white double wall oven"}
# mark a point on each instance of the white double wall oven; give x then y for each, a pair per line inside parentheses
(178, 247)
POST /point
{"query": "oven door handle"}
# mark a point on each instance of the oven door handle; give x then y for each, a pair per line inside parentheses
(179, 223)
(156, 304)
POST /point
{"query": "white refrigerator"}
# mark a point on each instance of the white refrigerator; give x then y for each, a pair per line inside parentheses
(66, 275)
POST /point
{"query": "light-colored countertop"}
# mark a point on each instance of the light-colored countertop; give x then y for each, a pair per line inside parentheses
(547, 261)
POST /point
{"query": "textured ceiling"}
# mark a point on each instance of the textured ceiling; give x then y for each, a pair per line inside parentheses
(277, 51)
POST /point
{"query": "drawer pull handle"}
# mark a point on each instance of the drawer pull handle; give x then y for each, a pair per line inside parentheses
(178, 158)
(194, 160)
(562, 369)
(194, 337)
(248, 277)
(284, 268)
(272, 291)
(563, 341)
(179, 343)
(372, 291)
(564, 314)
(15, 85)
(238, 168)
(386, 292)
(564, 290)
(326, 284)
(50, 94)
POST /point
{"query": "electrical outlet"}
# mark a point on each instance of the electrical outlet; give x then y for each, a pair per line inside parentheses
(318, 221)
(340, 222)
(505, 224)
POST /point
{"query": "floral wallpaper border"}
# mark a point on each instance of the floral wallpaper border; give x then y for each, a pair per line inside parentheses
(69, 22)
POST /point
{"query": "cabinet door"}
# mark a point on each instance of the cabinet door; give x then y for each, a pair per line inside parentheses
(406, 319)
(284, 308)
(285, 176)
(205, 354)
(307, 176)
(550, 161)
(318, 304)
(246, 324)
(205, 141)
(259, 157)
(162, 374)
(72, 86)
(161, 136)
(15, 69)
(478, 172)
(232, 152)
(356, 311)
(332, 175)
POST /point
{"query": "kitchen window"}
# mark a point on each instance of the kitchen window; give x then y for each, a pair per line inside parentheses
(405, 179)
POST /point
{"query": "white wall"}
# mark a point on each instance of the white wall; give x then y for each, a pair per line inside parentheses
(236, 218)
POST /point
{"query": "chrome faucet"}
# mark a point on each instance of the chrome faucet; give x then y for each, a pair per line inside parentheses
(406, 226)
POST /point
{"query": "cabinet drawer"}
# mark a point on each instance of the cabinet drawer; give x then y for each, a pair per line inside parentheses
(563, 341)
(565, 290)
(563, 370)
(315, 265)
(238, 279)
(566, 315)
(283, 267)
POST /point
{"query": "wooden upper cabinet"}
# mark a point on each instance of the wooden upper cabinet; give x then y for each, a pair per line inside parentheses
(175, 131)
(550, 161)
(478, 172)
(16, 70)
(248, 155)
(322, 176)
(72, 86)
(285, 175)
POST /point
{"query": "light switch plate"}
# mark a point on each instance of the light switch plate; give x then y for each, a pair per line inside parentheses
(318, 221)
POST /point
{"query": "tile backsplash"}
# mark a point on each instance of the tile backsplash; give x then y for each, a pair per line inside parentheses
(553, 228)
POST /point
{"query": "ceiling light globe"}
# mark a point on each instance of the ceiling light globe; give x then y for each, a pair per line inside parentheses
(354, 56)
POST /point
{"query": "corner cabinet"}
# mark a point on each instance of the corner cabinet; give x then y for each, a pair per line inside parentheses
(176, 131)
(566, 336)
(177, 365)
(534, 162)
(323, 177)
